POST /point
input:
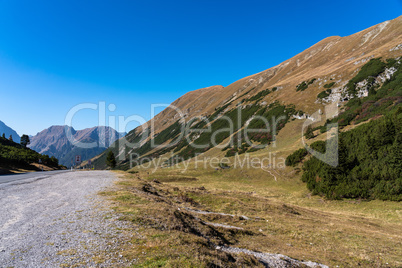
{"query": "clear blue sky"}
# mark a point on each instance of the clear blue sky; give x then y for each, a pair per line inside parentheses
(57, 54)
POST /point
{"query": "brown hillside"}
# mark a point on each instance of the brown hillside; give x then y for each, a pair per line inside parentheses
(334, 57)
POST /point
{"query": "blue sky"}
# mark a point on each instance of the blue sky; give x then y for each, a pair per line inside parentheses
(57, 54)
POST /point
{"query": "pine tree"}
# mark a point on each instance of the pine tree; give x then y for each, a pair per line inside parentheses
(110, 159)
(25, 140)
(309, 132)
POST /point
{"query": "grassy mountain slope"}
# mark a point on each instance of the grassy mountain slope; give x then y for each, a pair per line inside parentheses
(289, 89)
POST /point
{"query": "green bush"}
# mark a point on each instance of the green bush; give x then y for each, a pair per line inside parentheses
(309, 132)
(304, 85)
(324, 94)
(369, 166)
(296, 157)
(329, 85)
(259, 96)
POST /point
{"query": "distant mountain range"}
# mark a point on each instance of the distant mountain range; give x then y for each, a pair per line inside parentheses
(54, 141)
(9, 131)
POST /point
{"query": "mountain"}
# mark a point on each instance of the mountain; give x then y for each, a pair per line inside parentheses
(54, 141)
(9, 131)
(333, 71)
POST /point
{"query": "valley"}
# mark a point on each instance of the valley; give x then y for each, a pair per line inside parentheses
(299, 165)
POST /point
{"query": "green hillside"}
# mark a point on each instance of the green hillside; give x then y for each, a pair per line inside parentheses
(14, 156)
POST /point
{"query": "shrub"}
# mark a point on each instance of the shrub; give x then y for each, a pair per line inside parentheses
(304, 85)
(324, 94)
(329, 85)
(309, 132)
(296, 157)
(259, 96)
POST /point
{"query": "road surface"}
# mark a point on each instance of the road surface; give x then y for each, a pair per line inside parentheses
(60, 220)
(29, 176)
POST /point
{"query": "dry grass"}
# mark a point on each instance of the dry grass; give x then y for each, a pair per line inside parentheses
(169, 236)
(283, 218)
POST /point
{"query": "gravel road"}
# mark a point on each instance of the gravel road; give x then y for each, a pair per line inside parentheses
(24, 177)
(60, 221)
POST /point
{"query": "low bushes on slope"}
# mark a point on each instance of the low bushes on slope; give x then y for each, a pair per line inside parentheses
(324, 94)
(379, 102)
(370, 70)
(304, 85)
(370, 158)
(370, 155)
(275, 114)
(14, 154)
(296, 157)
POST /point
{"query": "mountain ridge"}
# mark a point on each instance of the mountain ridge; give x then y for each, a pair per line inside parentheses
(306, 55)
(53, 141)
